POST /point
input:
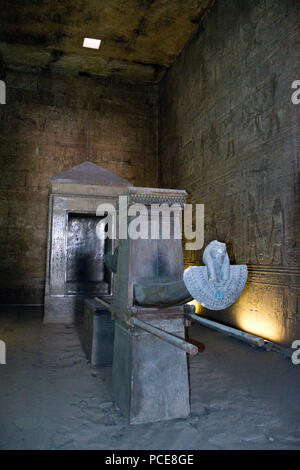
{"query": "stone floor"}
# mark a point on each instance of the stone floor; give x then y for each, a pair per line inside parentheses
(241, 397)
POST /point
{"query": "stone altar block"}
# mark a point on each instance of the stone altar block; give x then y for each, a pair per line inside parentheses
(98, 328)
(150, 376)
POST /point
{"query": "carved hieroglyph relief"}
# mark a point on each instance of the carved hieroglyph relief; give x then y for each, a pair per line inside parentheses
(276, 239)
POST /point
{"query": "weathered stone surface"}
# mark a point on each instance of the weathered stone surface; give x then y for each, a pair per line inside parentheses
(150, 376)
(229, 135)
(140, 39)
(98, 334)
(49, 124)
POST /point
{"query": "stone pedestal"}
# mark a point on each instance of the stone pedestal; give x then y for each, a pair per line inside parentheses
(98, 338)
(150, 376)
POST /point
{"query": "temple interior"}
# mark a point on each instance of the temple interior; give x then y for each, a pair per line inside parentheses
(192, 102)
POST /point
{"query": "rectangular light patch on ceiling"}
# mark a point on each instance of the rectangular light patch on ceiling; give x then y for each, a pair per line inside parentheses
(91, 43)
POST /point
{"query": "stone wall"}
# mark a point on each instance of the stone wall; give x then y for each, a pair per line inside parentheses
(49, 124)
(229, 134)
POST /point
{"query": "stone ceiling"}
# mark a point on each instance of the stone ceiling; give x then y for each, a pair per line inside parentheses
(140, 38)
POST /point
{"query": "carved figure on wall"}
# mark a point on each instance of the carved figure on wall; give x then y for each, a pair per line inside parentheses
(252, 113)
(254, 233)
(217, 284)
(259, 109)
(226, 228)
(213, 144)
(276, 239)
(229, 126)
(274, 124)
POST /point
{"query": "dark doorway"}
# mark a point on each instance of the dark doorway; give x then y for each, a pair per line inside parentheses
(86, 271)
